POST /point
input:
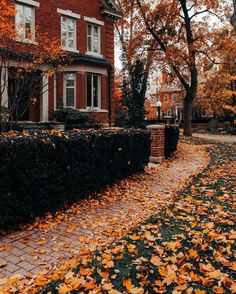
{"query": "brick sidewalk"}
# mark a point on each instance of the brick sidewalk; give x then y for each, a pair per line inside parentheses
(99, 223)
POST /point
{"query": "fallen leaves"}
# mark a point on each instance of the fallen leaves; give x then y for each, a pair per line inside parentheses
(188, 248)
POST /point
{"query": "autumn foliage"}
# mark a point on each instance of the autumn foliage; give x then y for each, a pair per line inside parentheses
(29, 59)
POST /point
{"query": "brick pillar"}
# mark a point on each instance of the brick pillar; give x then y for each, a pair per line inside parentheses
(158, 143)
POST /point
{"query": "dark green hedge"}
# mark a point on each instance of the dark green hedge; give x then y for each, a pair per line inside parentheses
(171, 140)
(41, 173)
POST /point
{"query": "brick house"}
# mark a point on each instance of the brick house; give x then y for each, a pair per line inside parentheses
(171, 97)
(86, 30)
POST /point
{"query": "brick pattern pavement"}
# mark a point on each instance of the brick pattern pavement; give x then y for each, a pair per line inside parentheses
(31, 251)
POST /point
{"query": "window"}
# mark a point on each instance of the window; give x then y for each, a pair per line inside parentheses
(68, 32)
(174, 97)
(165, 97)
(25, 21)
(93, 38)
(93, 91)
(69, 90)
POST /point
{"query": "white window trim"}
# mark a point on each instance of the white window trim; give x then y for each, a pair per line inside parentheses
(25, 40)
(98, 108)
(29, 2)
(68, 13)
(92, 53)
(64, 90)
(93, 20)
(75, 41)
(93, 109)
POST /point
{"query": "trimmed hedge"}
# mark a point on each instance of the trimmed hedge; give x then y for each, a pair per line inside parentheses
(171, 140)
(41, 173)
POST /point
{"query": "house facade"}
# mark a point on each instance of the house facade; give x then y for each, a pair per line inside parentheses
(171, 97)
(86, 31)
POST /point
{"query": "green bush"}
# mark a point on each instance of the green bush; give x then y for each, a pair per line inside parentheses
(171, 140)
(71, 116)
(41, 173)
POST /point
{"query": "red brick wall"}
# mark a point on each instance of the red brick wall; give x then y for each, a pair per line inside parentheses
(158, 142)
(49, 20)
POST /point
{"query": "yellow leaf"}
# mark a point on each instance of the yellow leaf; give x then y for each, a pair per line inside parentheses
(193, 253)
(197, 291)
(113, 291)
(233, 267)
(134, 237)
(75, 283)
(127, 283)
(156, 260)
(63, 289)
(182, 287)
(218, 290)
(137, 291)
(3, 281)
(107, 286)
(89, 285)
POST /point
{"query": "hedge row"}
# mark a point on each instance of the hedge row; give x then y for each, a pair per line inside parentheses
(40, 173)
(171, 140)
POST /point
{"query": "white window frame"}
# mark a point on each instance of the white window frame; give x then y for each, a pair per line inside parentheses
(31, 5)
(97, 54)
(92, 107)
(174, 97)
(74, 49)
(64, 90)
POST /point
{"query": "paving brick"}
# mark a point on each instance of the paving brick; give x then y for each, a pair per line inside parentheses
(11, 267)
(17, 252)
(26, 265)
(13, 259)
(20, 245)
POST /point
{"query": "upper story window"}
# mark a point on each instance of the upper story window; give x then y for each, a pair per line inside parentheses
(94, 38)
(68, 32)
(165, 97)
(174, 98)
(25, 21)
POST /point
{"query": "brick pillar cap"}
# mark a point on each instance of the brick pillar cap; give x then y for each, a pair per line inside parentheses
(155, 127)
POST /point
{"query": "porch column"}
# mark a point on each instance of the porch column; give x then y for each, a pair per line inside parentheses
(44, 105)
(4, 87)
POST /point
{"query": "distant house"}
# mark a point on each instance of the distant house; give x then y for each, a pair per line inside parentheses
(86, 30)
(171, 97)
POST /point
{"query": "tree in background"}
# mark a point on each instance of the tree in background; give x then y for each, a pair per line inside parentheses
(135, 94)
(182, 34)
(137, 58)
(26, 64)
(217, 87)
(233, 17)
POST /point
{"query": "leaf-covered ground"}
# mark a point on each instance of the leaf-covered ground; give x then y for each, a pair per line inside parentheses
(189, 248)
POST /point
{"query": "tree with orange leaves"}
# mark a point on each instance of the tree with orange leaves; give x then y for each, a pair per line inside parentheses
(136, 51)
(28, 61)
(217, 87)
(182, 33)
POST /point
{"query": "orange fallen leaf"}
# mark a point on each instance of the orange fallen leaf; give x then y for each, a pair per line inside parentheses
(218, 290)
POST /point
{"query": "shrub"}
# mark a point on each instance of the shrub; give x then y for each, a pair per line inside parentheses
(41, 173)
(71, 116)
(171, 140)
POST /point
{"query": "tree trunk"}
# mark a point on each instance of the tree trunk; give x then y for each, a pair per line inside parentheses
(188, 107)
(233, 17)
